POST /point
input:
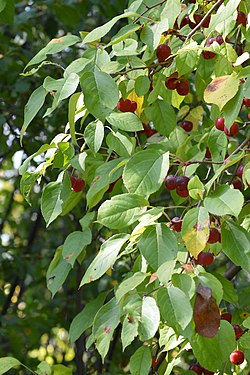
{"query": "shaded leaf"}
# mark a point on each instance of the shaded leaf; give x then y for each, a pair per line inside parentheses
(140, 362)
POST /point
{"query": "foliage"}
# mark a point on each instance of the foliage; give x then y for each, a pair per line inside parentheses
(126, 130)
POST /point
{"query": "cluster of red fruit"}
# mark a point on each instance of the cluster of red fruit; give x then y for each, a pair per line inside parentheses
(237, 182)
(178, 183)
(126, 105)
(178, 84)
(220, 125)
(209, 54)
(77, 184)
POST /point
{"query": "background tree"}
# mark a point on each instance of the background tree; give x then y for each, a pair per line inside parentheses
(144, 189)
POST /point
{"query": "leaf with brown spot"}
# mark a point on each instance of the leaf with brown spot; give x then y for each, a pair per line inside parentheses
(206, 312)
(221, 90)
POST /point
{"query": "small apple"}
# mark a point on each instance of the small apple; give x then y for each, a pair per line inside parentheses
(182, 87)
(163, 51)
(176, 224)
(170, 182)
(220, 123)
(214, 236)
(204, 258)
(77, 184)
(237, 357)
(226, 316)
(187, 125)
(238, 331)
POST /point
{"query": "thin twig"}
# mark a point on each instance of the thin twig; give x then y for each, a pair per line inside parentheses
(148, 8)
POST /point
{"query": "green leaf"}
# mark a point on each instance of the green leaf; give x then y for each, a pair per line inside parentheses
(212, 352)
(145, 171)
(7, 363)
(41, 150)
(28, 180)
(2, 4)
(186, 59)
(232, 108)
(196, 188)
(207, 279)
(129, 331)
(140, 361)
(185, 283)
(142, 85)
(123, 33)
(61, 370)
(43, 368)
(236, 244)
(8, 12)
(170, 11)
(100, 93)
(224, 201)
(158, 245)
(126, 121)
(129, 284)
(217, 144)
(229, 292)
(150, 318)
(34, 104)
(57, 272)
(244, 341)
(175, 307)
(163, 116)
(74, 244)
(222, 14)
(121, 211)
(54, 46)
(105, 322)
(94, 134)
(195, 230)
(165, 271)
(72, 107)
(105, 258)
(85, 318)
(101, 31)
(121, 143)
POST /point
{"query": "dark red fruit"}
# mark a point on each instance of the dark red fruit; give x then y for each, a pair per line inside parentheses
(154, 361)
(170, 182)
(184, 21)
(182, 181)
(196, 368)
(187, 125)
(204, 259)
(171, 83)
(219, 39)
(233, 130)
(240, 170)
(182, 87)
(77, 184)
(163, 51)
(219, 123)
(246, 101)
(148, 131)
(238, 331)
(192, 1)
(208, 55)
(237, 357)
(210, 41)
(241, 19)
(207, 372)
(182, 192)
(214, 236)
(126, 105)
(237, 184)
(226, 316)
(208, 153)
(176, 224)
(198, 18)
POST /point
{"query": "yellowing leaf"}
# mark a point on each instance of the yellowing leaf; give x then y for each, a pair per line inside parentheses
(221, 90)
(195, 116)
(139, 100)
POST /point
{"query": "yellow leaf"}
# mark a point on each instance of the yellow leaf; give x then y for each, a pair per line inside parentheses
(195, 116)
(221, 90)
(196, 240)
(139, 100)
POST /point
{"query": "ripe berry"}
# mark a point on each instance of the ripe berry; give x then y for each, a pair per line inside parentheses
(77, 184)
(208, 153)
(233, 130)
(184, 21)
(214, 236)
(238, 331)
(226, 316)
(182, 192)
(237, 357)
(210, 41)
(241, 19)
(237, 184)
(133, 106)
(208, 55)
(240, 170)
(205, 259)
(176, 224)
(163, 51)
(187, 125)
(207, 372)
(182, 181)
(196, 368)
(126, 105)
(192, 1)
(246, 101)
(182, 87)
(219, 123)
(171, 83)
(219, 39)
(198, 18)
(170, 182)
(154, 361)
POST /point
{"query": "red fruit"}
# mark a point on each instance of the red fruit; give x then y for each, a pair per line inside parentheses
(237, 184)
(163, 51)
(208, 55)
(176, 224)
(182, 192)
(219, 123)
(126, 105)
(196, 368)
(192, 1)
(207, 372)
(246, 101)
(187, 125)
(214, 236)
(240, 170)
(170, 182)
(154, 361)
(241, 19)
(237, 357)
(226, 316)
(208, 153)
(219, 39)
(149, 132)
(133, 106)
(210, 41)
(182, 87)
(77, 184)
(171, 83)
(182, 181)
(198, 18)
(205, 259)
(238, 331)
(184, 21)
(233, 130)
